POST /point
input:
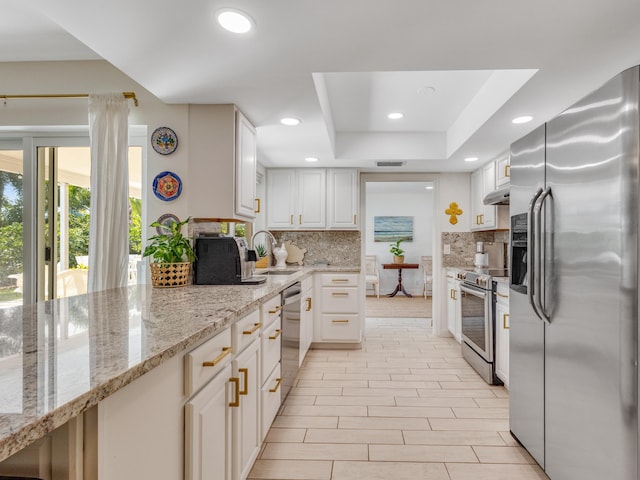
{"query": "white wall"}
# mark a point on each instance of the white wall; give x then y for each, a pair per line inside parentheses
(396, 202)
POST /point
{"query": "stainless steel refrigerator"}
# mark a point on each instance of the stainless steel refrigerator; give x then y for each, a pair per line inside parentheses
(574, 287)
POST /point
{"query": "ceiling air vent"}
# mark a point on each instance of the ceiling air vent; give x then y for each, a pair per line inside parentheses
(389, 164)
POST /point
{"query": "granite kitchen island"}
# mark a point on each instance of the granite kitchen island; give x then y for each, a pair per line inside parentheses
(60, 358)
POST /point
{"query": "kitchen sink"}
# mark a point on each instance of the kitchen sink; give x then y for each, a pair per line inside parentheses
(279, 272)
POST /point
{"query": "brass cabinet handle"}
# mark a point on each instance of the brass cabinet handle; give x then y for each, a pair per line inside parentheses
(340, 294)
(455, 294)
(236, 382)
(482, 219)
(507, 171)
(354, 219)
(276, 309)
(308, 300)
(291, 219)
(504, 321)
(273, 337)
(340, 321)
(339, 280)
(293, 319)
(300, 219)
(257, 210)
(256, 326)
(502, 295)
(275, 389)
(245, 372)
(225, 351)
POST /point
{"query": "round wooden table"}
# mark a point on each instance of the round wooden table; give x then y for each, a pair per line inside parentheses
(399, 267)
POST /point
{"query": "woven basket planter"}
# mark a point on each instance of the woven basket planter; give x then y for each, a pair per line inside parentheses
(167, 275)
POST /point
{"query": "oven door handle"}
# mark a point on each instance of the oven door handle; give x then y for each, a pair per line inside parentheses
(531, 258)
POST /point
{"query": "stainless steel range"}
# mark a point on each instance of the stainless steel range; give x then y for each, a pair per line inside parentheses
(478, 326)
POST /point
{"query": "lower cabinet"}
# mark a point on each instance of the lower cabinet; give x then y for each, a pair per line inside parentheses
(339, 313)
(246, 417)
(502, 333)
(208, 432)
(454, 315)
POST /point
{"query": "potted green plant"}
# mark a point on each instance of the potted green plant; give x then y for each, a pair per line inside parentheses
(261, 252)
(171, 255)
(398, 253)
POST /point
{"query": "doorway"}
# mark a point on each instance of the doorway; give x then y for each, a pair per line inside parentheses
(393, 203)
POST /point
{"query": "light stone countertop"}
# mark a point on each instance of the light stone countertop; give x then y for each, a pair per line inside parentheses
(105, 340)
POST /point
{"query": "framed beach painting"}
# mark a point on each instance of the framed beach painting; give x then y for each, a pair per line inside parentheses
(392, 229)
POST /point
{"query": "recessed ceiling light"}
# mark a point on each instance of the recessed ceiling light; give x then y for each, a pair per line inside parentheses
(427, 90)
(395, 115)
(311, 159)
(234, 21)
(429, 187)
(522, 119)
(290, 121)
(471, 159)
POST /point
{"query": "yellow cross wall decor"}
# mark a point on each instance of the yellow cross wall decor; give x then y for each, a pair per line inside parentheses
(453, 211)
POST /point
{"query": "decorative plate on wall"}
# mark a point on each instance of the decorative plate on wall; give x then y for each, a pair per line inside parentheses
(164, 140)
(166, 220)
(167, 186)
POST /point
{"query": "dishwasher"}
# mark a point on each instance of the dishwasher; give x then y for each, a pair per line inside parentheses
(290, 358)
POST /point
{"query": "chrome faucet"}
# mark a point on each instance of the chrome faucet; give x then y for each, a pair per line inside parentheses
(274, 242)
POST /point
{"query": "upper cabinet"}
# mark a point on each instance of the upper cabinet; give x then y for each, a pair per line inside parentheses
(312, 199)
(296, 199)
(343, 199)
(486, 217)
(502, 170)
(222, 146)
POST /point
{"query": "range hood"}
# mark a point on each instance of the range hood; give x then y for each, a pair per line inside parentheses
(499, 196)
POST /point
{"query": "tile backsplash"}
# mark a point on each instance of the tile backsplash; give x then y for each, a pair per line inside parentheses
(340, 248)
(463, 246)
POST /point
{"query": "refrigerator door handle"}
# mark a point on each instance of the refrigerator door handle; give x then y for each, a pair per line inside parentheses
(540, 254)
(531, 261)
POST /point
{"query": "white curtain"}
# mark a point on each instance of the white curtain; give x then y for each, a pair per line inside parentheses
(109, 221)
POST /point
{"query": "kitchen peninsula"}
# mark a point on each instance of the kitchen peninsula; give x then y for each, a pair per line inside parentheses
(59, 359)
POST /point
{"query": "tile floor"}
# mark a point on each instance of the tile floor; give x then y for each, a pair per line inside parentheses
(406, 406)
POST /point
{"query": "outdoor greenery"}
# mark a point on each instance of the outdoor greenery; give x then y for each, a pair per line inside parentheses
(11, 221)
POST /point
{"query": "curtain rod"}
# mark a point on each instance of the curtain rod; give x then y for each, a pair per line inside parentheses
(130, 95)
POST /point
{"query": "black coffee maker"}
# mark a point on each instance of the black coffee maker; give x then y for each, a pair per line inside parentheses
(224, 261)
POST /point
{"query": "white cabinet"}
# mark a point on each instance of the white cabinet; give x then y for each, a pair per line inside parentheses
(296, 199)
(208, 430)
(270, 363)
(339, 308)
(246, 417)
(312, 199)
(343, 199)
(503, 170)
(502, 333)
(454, 317)
(486, 217)
(222, 159)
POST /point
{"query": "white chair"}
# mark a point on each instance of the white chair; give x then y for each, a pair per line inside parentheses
(372, 275)
(427, 272)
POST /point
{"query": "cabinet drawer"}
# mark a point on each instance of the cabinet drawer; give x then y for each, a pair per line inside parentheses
(340, 327)
(271, 340)
(271, 395)
(270, 311)
(204, 362)
(339, 300)
(340, 280)
(245, 331)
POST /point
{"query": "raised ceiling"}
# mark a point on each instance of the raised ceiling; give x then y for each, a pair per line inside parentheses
(342, 66)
